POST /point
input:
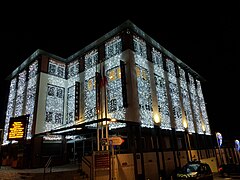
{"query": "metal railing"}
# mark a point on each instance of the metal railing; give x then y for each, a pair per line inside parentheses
(88, 163)
(48, 165)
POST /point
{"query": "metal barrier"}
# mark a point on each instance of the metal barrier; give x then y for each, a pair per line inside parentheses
(88, 163)
(48, 165)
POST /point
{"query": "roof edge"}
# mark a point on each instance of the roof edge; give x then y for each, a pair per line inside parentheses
(129, 24)
(31, 58)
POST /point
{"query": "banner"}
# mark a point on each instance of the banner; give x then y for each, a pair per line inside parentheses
(219, 139)
(237, 145)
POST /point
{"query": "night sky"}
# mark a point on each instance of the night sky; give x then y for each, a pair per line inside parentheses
(204, 36)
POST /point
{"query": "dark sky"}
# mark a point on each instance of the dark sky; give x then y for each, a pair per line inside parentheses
(204, 36)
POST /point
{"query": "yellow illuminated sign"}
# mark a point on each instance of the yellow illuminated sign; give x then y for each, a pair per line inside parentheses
(17, 128)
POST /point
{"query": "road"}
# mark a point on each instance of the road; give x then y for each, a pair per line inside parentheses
(217, 177)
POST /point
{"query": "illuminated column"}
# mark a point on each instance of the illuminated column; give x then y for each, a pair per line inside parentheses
(21, 90)
(195, 105)
(193, 110)
(160, 102)
(174, 95)
(143, 83)
(31, 96)
(202, 108)
(10, 107)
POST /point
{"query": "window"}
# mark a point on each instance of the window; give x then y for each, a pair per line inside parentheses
(113, 47)
(57, 69)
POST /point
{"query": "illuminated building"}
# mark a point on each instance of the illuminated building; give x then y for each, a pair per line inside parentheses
(155, 97)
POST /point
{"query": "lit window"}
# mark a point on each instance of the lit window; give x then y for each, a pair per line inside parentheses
(138, 71)
(112, 75)
(119, 72)
(144, 76)
(90, 85)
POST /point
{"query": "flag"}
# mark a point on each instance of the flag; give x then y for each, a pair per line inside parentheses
(124, 87)
(98, 96)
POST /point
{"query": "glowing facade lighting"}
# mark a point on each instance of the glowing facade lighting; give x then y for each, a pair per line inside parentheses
(203, 108)
(10, 108)
(91, 60)
(143, 83)
(195, 104)
(161, 90)
(174, 93)
(186, 101)
(156, 118)
(185, 124)
(152, 78)
(31, 95)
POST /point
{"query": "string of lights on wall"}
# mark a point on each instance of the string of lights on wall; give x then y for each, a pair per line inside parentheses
(90, 59)
(20, 93)
(143, 83)
(195, 104)
(174, 94)
(10, 107)
(73, 77)
(161, 90)
(113, 48)
(54, 116)
(186, 100)
(203, 108)
(60, 91)
(31, 95)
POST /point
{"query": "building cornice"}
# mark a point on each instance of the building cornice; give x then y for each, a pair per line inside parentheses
(131, 26)
(30, 59)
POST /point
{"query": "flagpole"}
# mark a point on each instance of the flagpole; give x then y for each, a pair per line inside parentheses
(97, 105)
(105, 100)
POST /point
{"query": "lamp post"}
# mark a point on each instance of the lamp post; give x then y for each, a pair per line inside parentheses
(189, 150)
(204, 140)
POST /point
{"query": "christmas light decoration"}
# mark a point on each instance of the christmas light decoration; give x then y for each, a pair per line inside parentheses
(90, 59)
(174, 93)
(20, 93)
(143, 83)
(31, 95)
(10, 108)
(203, 108)
(186, 100)
(195, 104)
(161, 90)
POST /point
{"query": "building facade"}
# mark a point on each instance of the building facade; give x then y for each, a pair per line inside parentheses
(125, 84)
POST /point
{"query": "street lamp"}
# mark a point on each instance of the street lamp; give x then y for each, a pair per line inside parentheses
(204, 140)
(189, 151)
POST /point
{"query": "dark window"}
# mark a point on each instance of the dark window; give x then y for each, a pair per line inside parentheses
(50, 91)
(59, 93)
(58, 118)
(49, 116)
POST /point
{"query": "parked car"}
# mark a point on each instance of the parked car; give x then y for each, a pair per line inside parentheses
(226, 170)
(195, 170)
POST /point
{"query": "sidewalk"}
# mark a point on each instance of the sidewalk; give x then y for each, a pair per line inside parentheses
(66, 167)
(67, 171)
